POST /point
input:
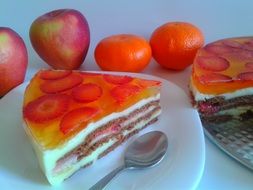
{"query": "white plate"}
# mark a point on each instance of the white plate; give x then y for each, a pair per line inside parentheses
(182, 167)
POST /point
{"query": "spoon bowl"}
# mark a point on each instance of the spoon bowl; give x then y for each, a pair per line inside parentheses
(146, 151)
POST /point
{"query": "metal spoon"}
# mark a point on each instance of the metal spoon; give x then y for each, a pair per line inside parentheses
(146, 151)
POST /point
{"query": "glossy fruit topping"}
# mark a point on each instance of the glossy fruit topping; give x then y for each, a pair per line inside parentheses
(46, 108)
(224, 66)
(122, 92)
(249, 65)
(213, 63)
(217, 49)
(77, 117)
(88, 92)
(246, 76)
(148, 83)
(214, 78)
(60, 85)
(233, 43)
(117, 79)
(52, 74)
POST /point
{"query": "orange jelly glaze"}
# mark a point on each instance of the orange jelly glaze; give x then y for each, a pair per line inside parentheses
(220, 88)
(48, 134)
(237, 65)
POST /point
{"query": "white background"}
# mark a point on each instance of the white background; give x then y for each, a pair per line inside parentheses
(217, 19)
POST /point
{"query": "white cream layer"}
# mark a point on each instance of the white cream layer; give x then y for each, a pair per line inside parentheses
(235, 112)
(198, 96)
(124, 124)
(48, 158)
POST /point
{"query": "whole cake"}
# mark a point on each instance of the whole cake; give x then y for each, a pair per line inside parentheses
(73, 118)
(222, 80)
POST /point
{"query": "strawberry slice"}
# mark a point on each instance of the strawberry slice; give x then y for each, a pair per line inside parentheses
(117, 79)
(212, 63)
(122, 92)
(60, 85)
(46, 108)
(77, 117)
(245, 76)
(249, 45)
(88, 92)
(232, 43)
(214, 78)
(249, 65)
(148, 83)
(218, 49)
(53, 74)
(241, 55)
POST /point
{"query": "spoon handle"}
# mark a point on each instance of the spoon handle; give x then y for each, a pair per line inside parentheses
(105, 180)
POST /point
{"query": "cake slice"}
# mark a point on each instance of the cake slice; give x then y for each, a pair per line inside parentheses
(74, 118)
(222, 80)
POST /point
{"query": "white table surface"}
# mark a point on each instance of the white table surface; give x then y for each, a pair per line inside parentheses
(217, 19)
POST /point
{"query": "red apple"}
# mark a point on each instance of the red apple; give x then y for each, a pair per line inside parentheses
(61, 38)
(13, 60)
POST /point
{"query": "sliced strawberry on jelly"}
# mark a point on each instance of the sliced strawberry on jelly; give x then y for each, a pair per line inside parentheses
(241, 55)
(117, 79)
(212, 63)
(77, 117)
(214, 78)
(249, 65)
(249, 45)
(148, 83)
(60, 85)
(232, 43)
(218, 49)
(46, 108)
(88, 92)
(245, 76)
(122, 92)
(53, 74)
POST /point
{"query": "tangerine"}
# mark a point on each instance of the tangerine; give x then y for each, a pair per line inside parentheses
(123, 52)
(175, 44)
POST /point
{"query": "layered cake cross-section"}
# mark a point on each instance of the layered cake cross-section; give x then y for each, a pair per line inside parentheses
(74, 118)
(222, 80)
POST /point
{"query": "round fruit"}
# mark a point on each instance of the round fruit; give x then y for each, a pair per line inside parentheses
(214, 78)
(117, 79)
(54, 74)
(13, 60)
(123, 52)
(46, 108)
(73, 119)
(61, 38)
(88, 92)
(122, 92)
(175, 44)
(246, 76)
(62, 84)
(212, 63)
